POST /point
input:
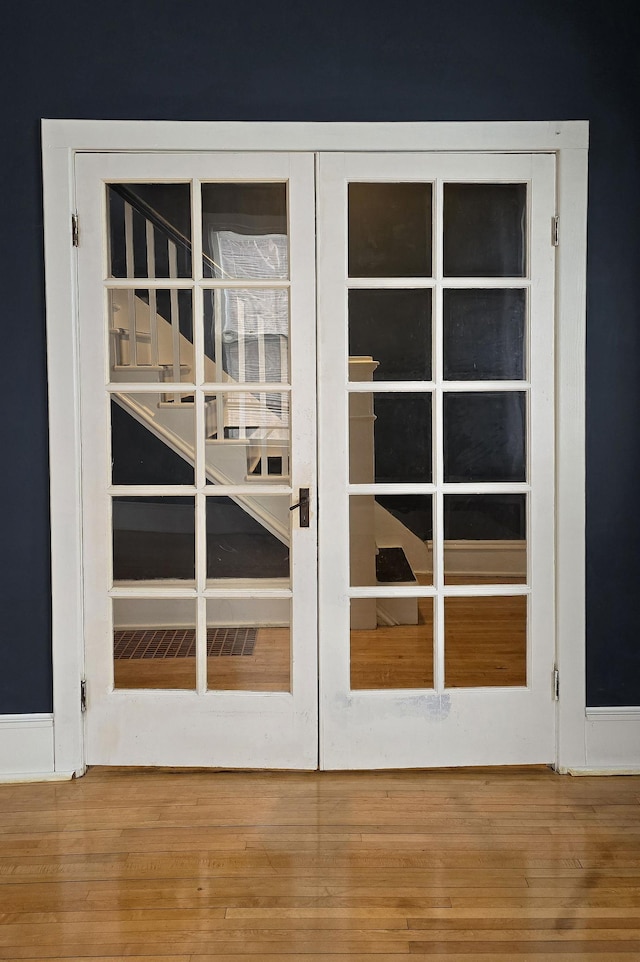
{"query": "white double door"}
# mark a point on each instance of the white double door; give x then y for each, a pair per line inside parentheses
(375, 330)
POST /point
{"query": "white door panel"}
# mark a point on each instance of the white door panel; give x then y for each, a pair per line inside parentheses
(444, 690)
(239, 450)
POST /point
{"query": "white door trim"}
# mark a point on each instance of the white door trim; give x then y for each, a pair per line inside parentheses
(63, 138)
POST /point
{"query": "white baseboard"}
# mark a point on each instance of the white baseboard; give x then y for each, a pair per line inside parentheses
(139, 613)
(612, 739)
(486, 558)
(22, 778)
(26, 748)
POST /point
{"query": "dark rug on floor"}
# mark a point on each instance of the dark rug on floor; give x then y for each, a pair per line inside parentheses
(181, 642)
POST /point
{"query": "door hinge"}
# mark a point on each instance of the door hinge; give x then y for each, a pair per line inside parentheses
(75, 231)
(83, 695)
(555, 230)
(556, 685)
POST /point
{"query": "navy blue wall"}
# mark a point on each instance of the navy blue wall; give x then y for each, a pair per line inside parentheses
(414, 60)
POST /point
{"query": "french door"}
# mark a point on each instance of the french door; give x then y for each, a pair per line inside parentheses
(436, 301)
(197, 312)
(428, 628)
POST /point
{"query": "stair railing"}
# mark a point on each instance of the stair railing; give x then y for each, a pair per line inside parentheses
(140, 247)
(155, 226)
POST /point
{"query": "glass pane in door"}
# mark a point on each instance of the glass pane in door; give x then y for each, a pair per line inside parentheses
(484, 436)
(244, 230)
(249, 644)
(248, 537)
(391, 643)
(391, 539)
(246, 331)
(390, 437)
(485, 228)
(153, 539)
(149, 230)
(151, 335)
(154, 643)
(390, 227)
(485, 539)
(484, 335)
(247, 437)
(393, 328)
(485, 642)
(140, 426)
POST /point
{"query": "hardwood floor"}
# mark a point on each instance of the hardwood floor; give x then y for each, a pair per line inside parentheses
(455, 866)
(485, 644)
(267, 669)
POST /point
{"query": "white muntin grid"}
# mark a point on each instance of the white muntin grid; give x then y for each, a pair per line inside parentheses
(438, 488)
(200, 590)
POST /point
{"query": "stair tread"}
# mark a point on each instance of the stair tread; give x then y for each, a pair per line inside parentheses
(392, 567)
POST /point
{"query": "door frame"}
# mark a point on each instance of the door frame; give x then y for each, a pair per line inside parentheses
(62, 139)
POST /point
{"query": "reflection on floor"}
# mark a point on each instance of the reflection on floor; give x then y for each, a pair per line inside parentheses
(461, 865)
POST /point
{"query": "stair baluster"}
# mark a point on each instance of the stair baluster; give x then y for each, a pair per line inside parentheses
(151, 272)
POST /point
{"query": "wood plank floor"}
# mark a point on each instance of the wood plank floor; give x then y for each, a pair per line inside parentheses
(267, 669)
(488, 865)
(485, 644)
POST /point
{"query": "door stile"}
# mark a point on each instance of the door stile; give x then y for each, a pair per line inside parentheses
(332, 419)
(304, 440)
(200, 501)
(542, 421)
(438, 461)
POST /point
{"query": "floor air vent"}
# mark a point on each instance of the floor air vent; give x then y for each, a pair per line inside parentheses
(181, 642)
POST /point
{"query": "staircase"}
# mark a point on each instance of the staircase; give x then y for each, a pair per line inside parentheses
(256, 454)
(246, 426)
